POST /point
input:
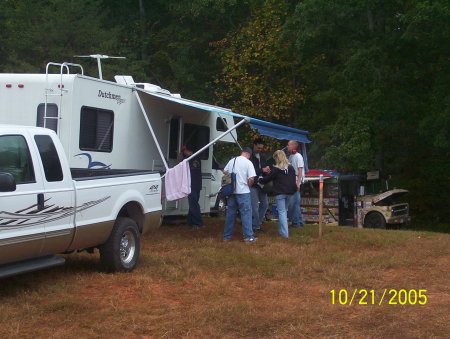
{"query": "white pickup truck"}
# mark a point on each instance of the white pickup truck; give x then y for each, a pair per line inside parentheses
(47, 208)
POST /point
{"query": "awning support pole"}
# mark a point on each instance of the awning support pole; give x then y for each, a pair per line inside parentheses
(144, 113)
(218, 138)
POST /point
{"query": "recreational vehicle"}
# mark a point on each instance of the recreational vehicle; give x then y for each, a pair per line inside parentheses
(124, 124)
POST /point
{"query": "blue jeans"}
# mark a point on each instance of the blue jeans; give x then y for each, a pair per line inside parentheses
(194, 217)
(282, 202)
(243, 203)
(294, 212)
(259, 207)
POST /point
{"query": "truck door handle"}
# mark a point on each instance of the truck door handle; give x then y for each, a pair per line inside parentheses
(40, 201)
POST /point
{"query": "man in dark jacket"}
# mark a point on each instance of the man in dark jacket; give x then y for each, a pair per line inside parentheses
(194, 217)
(259, 198)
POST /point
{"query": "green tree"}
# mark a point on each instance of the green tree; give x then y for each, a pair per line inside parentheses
(259, 76)
(36, 32)
(168, 42)
(376, 78)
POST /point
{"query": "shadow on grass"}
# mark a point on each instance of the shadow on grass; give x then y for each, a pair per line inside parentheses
(79, 264)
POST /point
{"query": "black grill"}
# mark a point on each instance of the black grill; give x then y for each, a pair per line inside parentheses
(400, 210)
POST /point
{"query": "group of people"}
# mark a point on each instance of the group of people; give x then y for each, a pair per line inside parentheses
(253, 171)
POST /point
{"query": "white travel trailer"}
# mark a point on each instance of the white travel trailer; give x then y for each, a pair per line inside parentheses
(122, 124)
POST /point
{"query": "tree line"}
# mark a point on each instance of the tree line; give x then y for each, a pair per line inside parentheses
(368, 78)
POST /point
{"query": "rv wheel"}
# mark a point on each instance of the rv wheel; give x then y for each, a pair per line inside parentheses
(374, 220)
(121, 252)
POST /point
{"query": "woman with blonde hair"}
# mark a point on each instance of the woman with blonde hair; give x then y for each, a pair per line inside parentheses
(284, 185)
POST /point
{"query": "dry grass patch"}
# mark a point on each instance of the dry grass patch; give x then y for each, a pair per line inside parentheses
(190, 284)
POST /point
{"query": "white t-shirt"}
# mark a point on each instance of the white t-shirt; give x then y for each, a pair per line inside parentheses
(296, 161)
(244, 170)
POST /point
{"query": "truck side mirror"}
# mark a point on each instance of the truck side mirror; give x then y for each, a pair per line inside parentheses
(7, 182)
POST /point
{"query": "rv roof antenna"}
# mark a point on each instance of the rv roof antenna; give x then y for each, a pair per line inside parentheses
(98, 57)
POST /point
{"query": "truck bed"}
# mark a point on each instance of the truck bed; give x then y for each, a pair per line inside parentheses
(80, 174)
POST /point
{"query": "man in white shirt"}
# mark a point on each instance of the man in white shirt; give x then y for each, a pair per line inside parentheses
(240, 199)
(296, 160)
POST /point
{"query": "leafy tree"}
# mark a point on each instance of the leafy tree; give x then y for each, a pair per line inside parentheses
(259, 76)
(168, 41)
(36, 32)
(375, 75)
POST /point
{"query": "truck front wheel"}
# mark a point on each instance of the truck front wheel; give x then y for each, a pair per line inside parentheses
(374, 220)
(121, 252)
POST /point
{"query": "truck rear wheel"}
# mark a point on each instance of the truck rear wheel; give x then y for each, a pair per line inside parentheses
(374, 220)
(121, 252)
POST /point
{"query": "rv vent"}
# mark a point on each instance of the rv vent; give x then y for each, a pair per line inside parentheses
(152, 88)
(124, 79)
(128, 80)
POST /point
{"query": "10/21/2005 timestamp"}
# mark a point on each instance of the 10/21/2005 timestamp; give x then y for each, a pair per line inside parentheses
(371, 297)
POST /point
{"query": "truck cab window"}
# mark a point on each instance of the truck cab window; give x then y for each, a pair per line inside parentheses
(51, 120)
(50, 158)
(96, 129)
(197, 136)
(15, 158)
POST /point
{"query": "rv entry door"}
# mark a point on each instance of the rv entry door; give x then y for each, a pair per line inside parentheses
(174, 141)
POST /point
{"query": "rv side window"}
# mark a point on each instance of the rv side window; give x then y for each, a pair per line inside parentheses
(197, 136)
(51, 117)
(96, 129)
(49, 157)
(15, 158)
(221, 124)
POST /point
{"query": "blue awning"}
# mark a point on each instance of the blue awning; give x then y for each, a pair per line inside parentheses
(263, 127)
(279, 131)
(271, 129)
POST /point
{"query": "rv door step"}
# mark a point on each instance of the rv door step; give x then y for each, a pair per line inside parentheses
(30, 265)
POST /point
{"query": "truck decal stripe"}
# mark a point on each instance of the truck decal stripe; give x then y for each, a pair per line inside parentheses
(9, 220)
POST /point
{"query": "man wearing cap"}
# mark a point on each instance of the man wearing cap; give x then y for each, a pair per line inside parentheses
(240, 199)
(296, 160)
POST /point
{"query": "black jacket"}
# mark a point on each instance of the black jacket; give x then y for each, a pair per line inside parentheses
(258, 164)
(195, 166)
(284, 181)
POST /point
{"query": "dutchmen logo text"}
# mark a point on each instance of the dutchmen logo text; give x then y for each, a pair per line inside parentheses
(109, 95)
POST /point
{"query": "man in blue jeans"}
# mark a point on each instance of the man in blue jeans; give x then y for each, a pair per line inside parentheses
(240, 199)
(296, 160)
(258, 196)
(194, 217)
